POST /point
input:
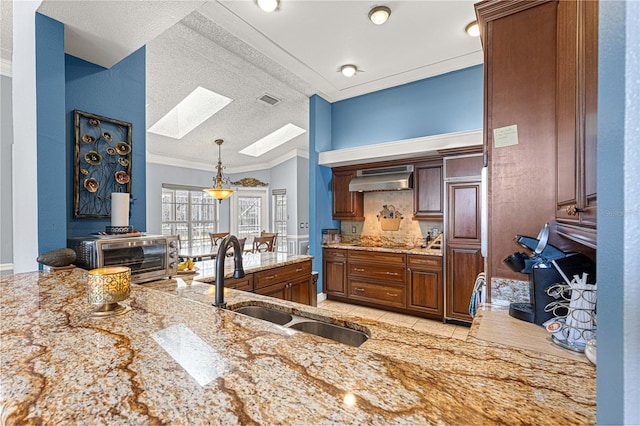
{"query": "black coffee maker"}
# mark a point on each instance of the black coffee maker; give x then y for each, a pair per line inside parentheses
(542, 275)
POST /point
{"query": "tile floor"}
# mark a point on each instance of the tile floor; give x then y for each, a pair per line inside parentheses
(416, 323)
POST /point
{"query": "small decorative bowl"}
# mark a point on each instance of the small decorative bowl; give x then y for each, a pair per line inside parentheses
(106, 287)
(117, 230)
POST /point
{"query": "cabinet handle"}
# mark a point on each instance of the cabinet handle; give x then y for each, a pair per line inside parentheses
(392, 294)
(573, 210)
(299, 269)
(358, 269)
(393, 273)
(270, 277)
(359, 289)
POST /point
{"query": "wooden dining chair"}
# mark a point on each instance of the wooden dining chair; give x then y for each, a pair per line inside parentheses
(274, 236)
(262, 244)
(241, 241)
(216, 237)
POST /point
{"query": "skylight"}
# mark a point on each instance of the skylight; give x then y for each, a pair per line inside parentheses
(191, 112)
(273, 140)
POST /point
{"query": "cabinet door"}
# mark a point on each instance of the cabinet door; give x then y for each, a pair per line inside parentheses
(335, 277)
(346, 204)
(300, 291)
(427, 190)
(464, 263)
(576, 106)
(244, 284)
(463, 214)
(425, 291)
(279, 291)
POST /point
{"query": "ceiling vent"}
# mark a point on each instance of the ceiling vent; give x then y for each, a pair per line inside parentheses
(269, 100)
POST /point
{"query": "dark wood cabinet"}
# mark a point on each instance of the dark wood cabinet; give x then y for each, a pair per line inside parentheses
(377, 277)
(463, 257)
(464, 263)
(347, 205)
(244, 284)
(334, 271)
(577, 53)
(427, 190)
(290, 282)
(425, 284)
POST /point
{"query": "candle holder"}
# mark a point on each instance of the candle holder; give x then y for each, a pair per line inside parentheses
(106, 287)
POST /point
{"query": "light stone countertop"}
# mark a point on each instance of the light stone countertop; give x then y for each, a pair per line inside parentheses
(172, 358)
(387, 249)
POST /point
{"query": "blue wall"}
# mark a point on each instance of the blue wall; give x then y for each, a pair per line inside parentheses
(65, 83)
(443, 104)
(51, 139)
(118, 93)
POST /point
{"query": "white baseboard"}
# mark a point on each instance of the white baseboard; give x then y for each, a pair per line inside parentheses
(6, 267)
(322, 297)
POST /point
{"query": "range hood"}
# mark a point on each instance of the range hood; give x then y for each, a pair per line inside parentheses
(393, 178)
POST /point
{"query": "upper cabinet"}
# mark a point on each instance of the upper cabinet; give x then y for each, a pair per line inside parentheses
(577, 62)
(427, 190)
(347, 205)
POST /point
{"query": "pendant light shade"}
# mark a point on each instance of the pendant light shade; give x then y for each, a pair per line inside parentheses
(218, 192)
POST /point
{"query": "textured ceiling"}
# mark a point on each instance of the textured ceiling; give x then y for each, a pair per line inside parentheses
(235, 49)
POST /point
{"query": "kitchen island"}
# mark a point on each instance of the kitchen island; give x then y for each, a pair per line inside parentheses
(172, 358)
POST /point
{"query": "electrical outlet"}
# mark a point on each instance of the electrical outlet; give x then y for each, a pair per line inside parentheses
(353, 229)
(301, 225)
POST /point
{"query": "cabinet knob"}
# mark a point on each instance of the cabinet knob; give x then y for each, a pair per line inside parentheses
(359, 289)
(358, 269)
(393, 273)
(573, 210)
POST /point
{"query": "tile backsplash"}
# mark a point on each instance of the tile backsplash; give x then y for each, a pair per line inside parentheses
(369, 231)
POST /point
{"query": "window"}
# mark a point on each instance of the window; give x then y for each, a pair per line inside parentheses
(280, 217)
(249, 213)
(189, 213)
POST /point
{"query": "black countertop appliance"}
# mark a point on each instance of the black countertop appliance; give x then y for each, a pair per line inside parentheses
(542, 275)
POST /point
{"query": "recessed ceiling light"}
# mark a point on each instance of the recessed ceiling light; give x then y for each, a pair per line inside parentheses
(379, 14)
(348, 70)
(273, 140)
(473, 29)
(190, 112)
(268, 5)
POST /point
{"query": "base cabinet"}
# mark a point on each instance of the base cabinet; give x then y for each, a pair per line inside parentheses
(291, 282)
(464, 263)
(425, 284)
(335, 271)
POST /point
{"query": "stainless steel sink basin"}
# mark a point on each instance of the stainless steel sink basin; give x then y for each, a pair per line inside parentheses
(271, 315)
(337, 333)
(333, 332)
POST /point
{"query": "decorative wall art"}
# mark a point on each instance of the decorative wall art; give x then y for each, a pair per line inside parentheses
(102, 163)
(249, 181)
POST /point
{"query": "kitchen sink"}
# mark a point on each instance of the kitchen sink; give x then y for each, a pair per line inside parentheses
(333, 332)
(271, 315)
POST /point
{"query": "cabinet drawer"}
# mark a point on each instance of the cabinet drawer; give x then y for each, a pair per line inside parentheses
(334, 254)
(418, 261)
(390, 273)
(388, 295)
(283, 273)
(377, 256)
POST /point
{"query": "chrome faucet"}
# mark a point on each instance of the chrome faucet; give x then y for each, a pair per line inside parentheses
(238, 271)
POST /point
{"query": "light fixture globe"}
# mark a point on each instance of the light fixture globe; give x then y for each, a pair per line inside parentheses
(218, 192)
(473, 29)
(379, 14)
(268, 5)
(348, 70)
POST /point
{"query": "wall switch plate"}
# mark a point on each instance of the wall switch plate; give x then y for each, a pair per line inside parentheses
(353, 229)
(301, 225)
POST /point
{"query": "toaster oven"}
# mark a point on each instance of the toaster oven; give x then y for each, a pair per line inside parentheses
(150, 257)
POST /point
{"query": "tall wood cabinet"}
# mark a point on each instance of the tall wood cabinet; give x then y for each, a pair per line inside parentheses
(463, 257)
(347, 205)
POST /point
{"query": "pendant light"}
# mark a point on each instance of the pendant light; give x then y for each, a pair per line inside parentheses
(218, 192)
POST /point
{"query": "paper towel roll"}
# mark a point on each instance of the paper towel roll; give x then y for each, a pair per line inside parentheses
(119, 209)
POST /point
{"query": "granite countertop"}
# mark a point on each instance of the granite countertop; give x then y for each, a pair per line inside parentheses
(252, 262)
(60, 365)
(389, 249)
